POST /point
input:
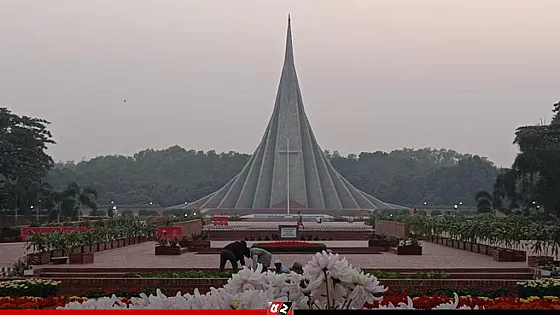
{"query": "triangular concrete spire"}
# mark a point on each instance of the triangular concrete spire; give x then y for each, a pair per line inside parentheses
(288, 165)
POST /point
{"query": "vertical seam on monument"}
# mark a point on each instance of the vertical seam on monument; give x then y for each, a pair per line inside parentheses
(315, 196)
(248, 189)
(261, 198)
(215, 200)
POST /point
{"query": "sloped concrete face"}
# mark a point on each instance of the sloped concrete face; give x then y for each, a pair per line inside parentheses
(288, 165)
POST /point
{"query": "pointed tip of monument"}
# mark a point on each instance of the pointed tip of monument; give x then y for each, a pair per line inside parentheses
(289, 18)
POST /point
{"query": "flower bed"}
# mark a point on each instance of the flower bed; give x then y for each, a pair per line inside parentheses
(29, 287)
(33, 303)
(480, 302)
(540, 288)
(291, 246)
(420, 302)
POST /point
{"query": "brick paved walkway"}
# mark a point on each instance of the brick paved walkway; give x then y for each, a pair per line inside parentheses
(142, 256)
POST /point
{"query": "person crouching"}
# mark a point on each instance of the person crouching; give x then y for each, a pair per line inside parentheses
(260, 256)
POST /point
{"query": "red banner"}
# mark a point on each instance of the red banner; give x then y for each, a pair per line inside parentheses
(220, 220)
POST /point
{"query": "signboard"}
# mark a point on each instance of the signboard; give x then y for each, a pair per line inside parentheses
(221, 220)
(288, 232)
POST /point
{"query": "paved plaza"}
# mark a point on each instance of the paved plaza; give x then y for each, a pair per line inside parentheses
(142, 256)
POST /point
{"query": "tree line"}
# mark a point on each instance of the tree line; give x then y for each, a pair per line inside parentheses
(29, 179)
(176, 175)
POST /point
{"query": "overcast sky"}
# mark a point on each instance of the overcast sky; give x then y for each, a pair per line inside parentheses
(375, 75)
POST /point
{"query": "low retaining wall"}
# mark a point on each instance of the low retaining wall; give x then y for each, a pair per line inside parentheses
(499, 254)
(190, 227)
(228, 235)
(79, 286)
(391, 228)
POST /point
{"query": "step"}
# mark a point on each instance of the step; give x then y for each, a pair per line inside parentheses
(477, 276)
(84, 275)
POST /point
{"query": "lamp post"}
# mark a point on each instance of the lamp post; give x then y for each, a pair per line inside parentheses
(455, 206)
(115, 212)
(36, 213)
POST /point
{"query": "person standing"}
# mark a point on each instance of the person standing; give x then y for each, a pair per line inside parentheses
(300, 219)
(260, 256)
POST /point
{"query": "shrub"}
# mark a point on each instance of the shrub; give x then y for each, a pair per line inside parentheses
(540, 288)
(147, 212)
(10, 232)
(30, 287)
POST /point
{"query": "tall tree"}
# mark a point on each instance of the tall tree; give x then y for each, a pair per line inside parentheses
(534, 178)
(483, 202)
(74, 197)
(23, 160)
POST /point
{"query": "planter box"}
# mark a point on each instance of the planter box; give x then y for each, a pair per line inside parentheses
(81, 258)
(409, 250)
(393, 243)
(461, 245)
(456, 244)
(501, 254)
(114, 244)
(184, 243)
(122, 242)
(59, 260)
(475, 248)
(536, 261)
(39, 258)
(196, 245)
(168, 250)
(379, 244)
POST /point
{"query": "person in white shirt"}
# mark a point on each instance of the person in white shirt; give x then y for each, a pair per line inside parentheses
(261, 256)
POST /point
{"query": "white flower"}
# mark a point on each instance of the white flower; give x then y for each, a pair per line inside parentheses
(103, 303)
(449, 306)
(246, 279)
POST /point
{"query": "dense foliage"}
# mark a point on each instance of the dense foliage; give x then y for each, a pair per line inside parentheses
(23, 160)
(512, 231)
(176, 175)
(531, 184)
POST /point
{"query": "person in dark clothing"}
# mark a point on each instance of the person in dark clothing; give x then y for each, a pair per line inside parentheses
(234, 252)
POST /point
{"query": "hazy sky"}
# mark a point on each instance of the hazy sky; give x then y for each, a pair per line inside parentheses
(375, 75)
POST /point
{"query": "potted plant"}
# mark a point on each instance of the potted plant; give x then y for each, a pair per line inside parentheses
(41, 247)
(185, 241)
(378, 241)
(166, 246)
(83, 240)
(409, 246)
(199, 241)
(63, 244)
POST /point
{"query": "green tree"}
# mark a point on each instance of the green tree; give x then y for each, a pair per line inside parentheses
(535, 174)
(484, 202)
(74, 197)
(23, 160)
